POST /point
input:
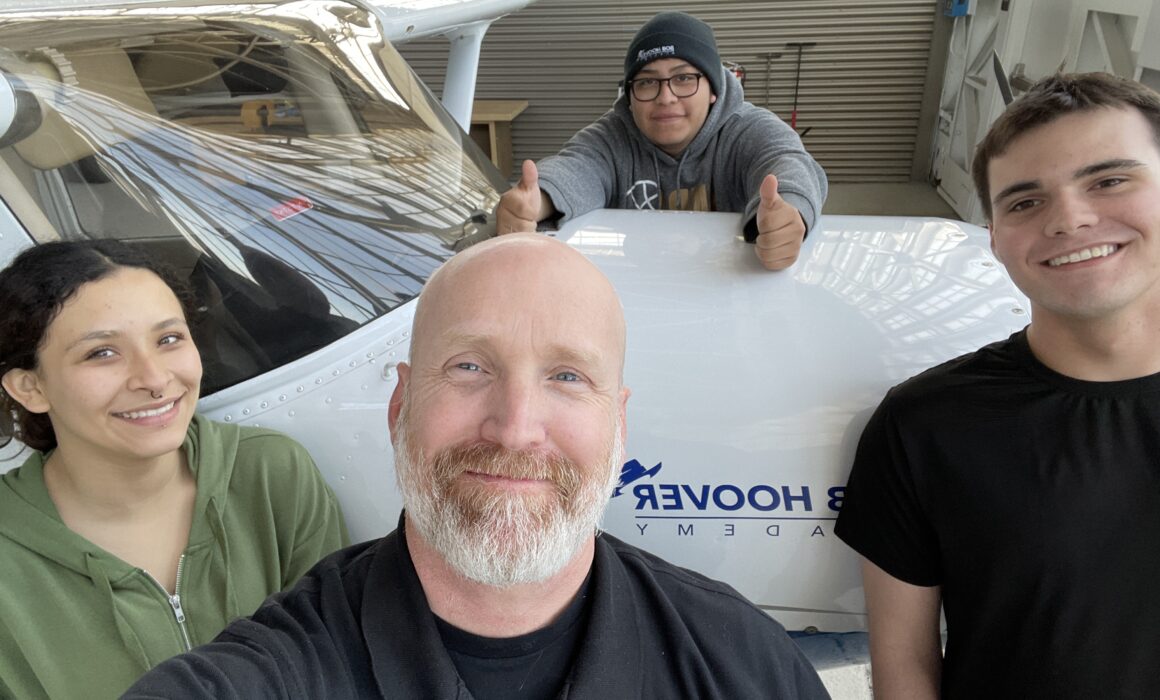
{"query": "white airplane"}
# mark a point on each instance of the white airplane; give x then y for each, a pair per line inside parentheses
(287, 161)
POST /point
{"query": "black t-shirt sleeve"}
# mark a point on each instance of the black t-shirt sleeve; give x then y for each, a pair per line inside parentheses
(883, 516)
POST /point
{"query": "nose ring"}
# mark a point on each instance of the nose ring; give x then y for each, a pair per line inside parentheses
(156, 394)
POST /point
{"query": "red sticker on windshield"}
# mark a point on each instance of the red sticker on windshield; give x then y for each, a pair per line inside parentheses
(287, 209)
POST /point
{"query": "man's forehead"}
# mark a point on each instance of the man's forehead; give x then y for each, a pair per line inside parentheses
(494, 268)
(1069, 146)
(542, 314)
(664, 66)
(573, 345)
(541, 292)
(513, 271)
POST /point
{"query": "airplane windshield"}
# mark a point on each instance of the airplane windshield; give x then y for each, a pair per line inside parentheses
(288, 164)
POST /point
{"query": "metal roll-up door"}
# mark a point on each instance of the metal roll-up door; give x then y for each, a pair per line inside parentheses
(860, 94)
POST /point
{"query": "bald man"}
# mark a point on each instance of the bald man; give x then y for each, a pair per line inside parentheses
(508, 425)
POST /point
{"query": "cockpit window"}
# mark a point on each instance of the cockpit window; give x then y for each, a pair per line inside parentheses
(291, 167)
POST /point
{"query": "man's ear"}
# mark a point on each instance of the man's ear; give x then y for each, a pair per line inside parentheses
(712, 99)
(396, 404)
(23, 386)
(991, 234)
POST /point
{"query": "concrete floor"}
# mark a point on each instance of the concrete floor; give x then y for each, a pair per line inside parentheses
(887, 198)
(842, 661)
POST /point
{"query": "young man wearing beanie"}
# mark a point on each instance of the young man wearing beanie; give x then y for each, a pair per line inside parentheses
(680, 136)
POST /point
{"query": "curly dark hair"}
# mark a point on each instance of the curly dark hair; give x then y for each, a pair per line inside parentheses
(1051, 98)
(32, 291)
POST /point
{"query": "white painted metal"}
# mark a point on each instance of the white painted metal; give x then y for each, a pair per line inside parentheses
(1149, 57)
(13, 237)
(1034, 38)
(970, 98)
(334, 401)
(406, 20)
(463, 23)
(7, 106)
(1107, 35)
(756, 383)
(462, 67)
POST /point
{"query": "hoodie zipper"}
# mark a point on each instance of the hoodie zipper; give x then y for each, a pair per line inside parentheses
(175, 601)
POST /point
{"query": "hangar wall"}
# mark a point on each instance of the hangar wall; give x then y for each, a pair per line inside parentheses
(861, 90)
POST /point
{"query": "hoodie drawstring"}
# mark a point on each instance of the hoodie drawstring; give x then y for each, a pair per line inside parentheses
(683, 194)
(129, 638)
(657, 175)
(714, 149)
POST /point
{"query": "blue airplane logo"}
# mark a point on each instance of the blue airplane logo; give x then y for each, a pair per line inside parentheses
(632, 471)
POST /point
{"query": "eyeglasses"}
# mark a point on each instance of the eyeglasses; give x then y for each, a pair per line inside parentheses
(681, 85)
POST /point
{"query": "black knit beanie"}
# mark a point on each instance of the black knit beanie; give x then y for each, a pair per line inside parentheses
(675, 35)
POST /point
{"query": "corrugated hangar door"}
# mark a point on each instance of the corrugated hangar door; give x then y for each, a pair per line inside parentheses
(861, 84)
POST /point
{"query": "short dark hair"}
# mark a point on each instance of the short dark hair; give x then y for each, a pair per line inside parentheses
(33, 289)
(1051, 98)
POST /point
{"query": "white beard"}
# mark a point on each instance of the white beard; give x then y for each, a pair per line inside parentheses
(504, 539)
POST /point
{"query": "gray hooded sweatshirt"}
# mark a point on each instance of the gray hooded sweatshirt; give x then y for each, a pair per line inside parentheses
(611, 164)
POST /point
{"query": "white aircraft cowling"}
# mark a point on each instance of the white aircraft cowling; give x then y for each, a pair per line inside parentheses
(750, 388)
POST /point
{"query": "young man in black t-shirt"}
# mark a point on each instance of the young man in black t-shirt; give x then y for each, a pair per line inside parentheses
(1019, 486)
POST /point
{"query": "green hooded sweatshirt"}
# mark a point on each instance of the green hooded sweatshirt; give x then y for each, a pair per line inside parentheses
(78, 622)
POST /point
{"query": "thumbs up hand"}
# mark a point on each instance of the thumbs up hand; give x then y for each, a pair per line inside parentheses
(520, 207)
(780, 229)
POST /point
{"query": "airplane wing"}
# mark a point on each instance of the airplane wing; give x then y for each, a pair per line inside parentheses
(407, 20)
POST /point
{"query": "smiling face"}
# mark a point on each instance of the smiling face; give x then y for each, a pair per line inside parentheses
(117, 343)
(669, 121)
(507, 423)
(1076, 216)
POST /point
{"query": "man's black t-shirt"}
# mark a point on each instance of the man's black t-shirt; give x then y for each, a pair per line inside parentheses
(530, 666)
(1033, 500)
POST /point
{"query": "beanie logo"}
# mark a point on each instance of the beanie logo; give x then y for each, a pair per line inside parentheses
(654, 54)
